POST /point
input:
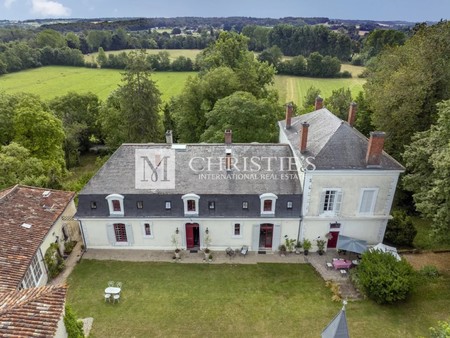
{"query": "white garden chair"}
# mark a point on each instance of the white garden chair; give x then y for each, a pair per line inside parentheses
(116, 297)
(110, 283)
(107, 297)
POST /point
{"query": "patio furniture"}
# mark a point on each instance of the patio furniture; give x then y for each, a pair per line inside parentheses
(244, 250)
(351, 244)
(343, 272)
(230, 252)
(112, 290)
(119, 285)
(329, 266)
(110, 283)
(116, 298)
(342, 264)
(107, 297)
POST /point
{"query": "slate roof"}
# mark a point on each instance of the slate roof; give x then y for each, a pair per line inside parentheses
(333, 143)
(18, 245)
(118, 173)
(33, 312)
(337, 328)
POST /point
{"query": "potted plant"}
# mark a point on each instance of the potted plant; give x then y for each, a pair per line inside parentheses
(289, 243)
(298, 246)
(210, 257)
(306, 246)
(207, 252)
(177, 253)
(282, 249)
(321, 246)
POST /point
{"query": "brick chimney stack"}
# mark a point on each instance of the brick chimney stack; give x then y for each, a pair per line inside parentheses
(375, 148)
(289, 113)
(228, 136)
(169, 137)
(304, 137)
(352, 113)
(228, 160)
(318, 103)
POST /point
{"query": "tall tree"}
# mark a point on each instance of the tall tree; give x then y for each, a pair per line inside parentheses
(138, 100)
(406, 82)
(428, 163)
(339, 101)
(251, 119)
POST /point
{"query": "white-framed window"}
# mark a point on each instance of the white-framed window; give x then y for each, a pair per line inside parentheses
(190, 202)
(268, 203)
(115, 204)
(147, 229)
(330, 202)
(120, 234)
(289, 205)
(367, 201)
(33, 274)
(236, 230)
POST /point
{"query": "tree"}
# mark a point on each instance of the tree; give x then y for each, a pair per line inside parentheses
(251, 119)
(406, 82)
(427, 160)
(102, 59)
(50, 38)
(272, 56)
(379, 39)
(79, 114)
(39, 131)
(17, 166)
(363, 120)
(134, 106)
(6, 119)
(384, 279)
(73, 41)
(339, 102)
(400, 229)
(310, 98)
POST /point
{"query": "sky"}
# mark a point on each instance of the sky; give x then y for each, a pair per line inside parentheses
(382, 10)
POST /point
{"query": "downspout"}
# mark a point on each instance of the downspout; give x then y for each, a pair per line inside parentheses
(82, 235)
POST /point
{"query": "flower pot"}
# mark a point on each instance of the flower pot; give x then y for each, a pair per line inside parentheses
(305, 252)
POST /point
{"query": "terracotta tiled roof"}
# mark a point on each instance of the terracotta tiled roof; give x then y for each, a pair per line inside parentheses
(33, 312)
(18, 245)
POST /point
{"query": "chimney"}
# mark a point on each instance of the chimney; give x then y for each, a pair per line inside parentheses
(228, 136)
(375, 148)
(352, 113)
(318, 104)
(228, 160)
(169, 137)
(289, 112)
(304, 137)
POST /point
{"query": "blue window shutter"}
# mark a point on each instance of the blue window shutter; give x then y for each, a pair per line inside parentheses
(255, 237)
(276, 237)
(110, 233)
(130, 237)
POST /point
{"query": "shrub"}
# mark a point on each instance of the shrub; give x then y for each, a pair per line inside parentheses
(345, 74)
(441, 331)
(74, 327)
(400, 230)
(53, 260)
(429, 271)
(68, 247)
(384, 279)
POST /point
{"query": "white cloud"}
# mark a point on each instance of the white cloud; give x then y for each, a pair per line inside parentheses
(8, 3)
(49, 8)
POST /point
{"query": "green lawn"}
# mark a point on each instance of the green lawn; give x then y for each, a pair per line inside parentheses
(263, 300)
(174, 53)
(51, 81)
(293, 88)
(48, 82)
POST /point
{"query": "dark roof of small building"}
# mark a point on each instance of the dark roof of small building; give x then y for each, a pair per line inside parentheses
(18, 244)
(118, 174)
(333, 143)
(33, 312)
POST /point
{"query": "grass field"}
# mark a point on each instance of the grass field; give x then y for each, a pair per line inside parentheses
(293, 88)
(48, 82)
(261, 300)
(174, 53)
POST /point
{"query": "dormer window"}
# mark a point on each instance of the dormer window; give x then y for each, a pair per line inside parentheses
(139, 204)
(93, 205)
(115, 204)
(190, 202)
(268, 202)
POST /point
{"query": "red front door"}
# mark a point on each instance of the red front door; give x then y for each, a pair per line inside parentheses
(332, 242)
(192, 235)
(265, 236)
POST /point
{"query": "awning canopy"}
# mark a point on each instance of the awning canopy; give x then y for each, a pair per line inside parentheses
(386, 248)
(351, 244)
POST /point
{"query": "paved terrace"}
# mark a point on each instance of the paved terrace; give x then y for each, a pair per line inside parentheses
(220, 257)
